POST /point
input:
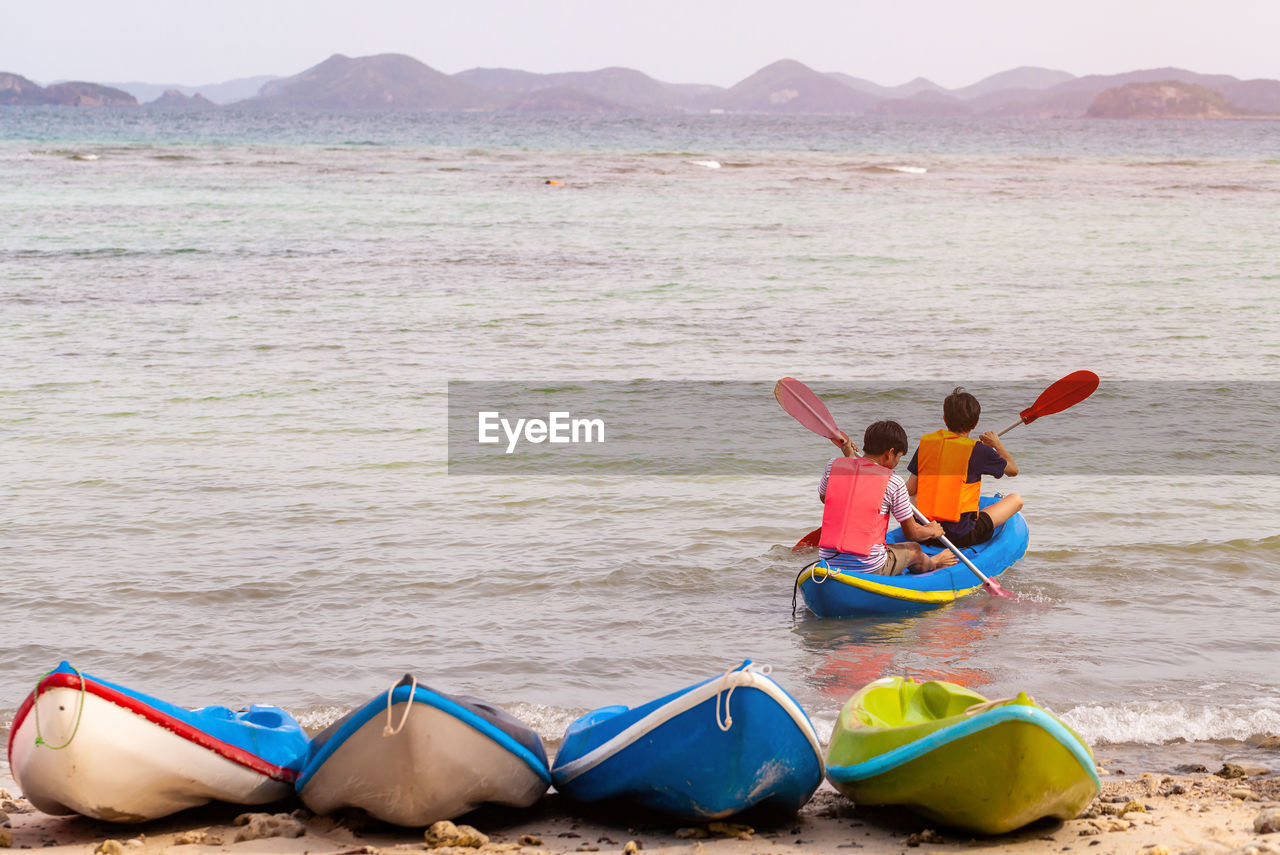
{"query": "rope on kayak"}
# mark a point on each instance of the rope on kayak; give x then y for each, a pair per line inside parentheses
(386, 728)
(40, 740)
(727, 722)
(796, 586)
(990, 705)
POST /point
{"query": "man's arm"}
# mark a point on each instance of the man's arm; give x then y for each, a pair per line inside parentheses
(990, 438)
(911, 485)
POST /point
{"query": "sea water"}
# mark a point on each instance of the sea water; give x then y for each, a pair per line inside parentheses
(226, 343)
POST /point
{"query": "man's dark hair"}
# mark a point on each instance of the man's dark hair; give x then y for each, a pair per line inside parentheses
(960, 411)
(882, 436)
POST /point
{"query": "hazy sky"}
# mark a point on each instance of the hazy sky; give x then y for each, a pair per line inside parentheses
(680, 41)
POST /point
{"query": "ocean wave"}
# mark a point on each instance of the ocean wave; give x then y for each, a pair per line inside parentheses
(99, 253)
(1160, 723)
(318, 718)
(1234, 188)
(548, 722)
(889, 170)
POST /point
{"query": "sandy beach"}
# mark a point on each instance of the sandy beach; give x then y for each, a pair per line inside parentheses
(1137, 813)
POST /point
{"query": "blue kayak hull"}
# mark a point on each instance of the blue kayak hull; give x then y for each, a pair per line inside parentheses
(831, 593)
(714, 749)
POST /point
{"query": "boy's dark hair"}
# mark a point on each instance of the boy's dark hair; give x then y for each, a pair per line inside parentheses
(960, 411)
(882, 436)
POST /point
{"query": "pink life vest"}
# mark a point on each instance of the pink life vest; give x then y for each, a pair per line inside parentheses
(851, 520)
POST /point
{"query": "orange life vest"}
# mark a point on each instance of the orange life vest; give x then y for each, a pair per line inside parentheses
(851, 520)
(942, 467)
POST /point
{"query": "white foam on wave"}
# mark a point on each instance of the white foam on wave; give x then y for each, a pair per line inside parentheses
(548, 722)
(317, 719)
(1158, 723)
(708, 164)
(912, 170)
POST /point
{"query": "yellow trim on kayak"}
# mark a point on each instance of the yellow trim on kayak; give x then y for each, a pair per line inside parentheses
(864, 582)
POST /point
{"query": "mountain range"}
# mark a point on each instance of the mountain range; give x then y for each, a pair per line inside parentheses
(227, 92)
(18, 90)
(399, 82)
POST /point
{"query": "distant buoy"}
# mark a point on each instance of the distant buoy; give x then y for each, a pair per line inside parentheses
(549, 181)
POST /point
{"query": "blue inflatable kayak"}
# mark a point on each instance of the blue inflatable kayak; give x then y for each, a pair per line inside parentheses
(708, 751)
(830, 592)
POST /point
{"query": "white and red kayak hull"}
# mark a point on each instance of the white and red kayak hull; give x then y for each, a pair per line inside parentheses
(95, 750)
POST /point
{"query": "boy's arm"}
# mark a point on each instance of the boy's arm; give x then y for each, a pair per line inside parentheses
(900, 507)
(911, 467)
(846, 445)
(1010, 466)
(917, 532)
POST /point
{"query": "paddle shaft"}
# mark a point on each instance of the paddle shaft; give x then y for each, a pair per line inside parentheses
(949, 545)
(1011, 427)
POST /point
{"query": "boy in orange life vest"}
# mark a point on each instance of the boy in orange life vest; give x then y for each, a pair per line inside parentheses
(947, 469)
(860, 493)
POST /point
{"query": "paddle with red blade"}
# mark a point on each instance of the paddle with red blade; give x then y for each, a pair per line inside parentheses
(1067, 392)
(808, 542)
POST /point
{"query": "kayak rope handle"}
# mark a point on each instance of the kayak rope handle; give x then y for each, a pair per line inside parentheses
(387, 730)
(796, 586)
(40, 740)
(826, 571)
(990, 705)
(727, 722)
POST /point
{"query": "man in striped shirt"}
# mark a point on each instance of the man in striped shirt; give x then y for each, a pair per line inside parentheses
(884, 443)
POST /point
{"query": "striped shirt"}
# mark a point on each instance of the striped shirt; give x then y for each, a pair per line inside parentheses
(896, 502)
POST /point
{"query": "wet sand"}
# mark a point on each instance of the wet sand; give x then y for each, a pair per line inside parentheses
(1148, 813)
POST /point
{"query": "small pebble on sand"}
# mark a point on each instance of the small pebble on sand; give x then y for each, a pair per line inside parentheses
(191, 838)
(257, 826)
(445, 833)
(731, 829)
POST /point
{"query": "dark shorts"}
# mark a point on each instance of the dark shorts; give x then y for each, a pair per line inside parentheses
(981, 532)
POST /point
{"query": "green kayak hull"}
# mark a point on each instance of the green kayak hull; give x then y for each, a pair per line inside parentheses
(958, 759)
